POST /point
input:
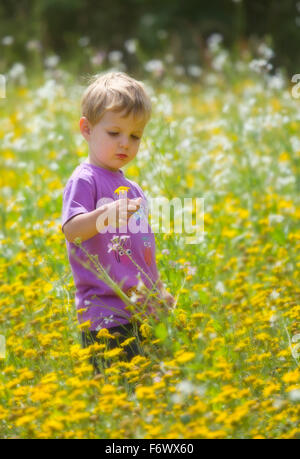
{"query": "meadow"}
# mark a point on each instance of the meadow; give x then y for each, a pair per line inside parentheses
(224, 362)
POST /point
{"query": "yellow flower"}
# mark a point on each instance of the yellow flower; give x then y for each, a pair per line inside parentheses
(270, 389)
(53, 424)
(144, 392)
(85, 325)
(145, 330)
(30, 353)
(108, 389)
(26, 374)
(291, 377)
(24, 420)
(113, 353)
(104, 333)
(3, 413)
(127, 341)
(138, 359)
(185, 357)
(284, 156)
(133, 170)
(198, 315)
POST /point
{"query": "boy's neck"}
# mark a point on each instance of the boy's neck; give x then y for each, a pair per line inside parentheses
(90, 161)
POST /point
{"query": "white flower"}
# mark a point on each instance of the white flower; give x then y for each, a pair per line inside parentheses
(34, 45)
(48, 91)
(283, 181)
(8, 40)
(162, 34)
(148, 19)
(273, 319)
(176, 398)
(214, 41)
(294, 395)
(194, 70)
(257, 65)
(192, 270)
(130, 45)
(275, 218)
(52, 61)
(124, 237)
(220, 287)
(83, 41)
(295, 142)
(108, 319)
(134, 298)
(155, 66)
(265, 51)
(169, 58)
(98, 58)
(277, 404)
(140, 286)
(185, 387)
(53, 166)
(219, 61)
(16, 71)
(179, 70)
(111, 247)
(274, 295)
(115, 56)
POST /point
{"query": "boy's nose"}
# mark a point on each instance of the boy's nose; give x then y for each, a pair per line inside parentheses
(124, 142)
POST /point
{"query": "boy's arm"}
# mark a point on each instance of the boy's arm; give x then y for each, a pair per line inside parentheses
(170, 300)
(83, 225)
(87, 225)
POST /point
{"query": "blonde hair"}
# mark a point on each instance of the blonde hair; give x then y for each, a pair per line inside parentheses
(115, 91)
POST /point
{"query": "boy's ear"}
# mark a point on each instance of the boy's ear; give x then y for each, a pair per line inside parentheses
(84, 126)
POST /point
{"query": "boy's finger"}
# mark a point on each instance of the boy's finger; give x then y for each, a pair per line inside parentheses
(136, 201)
(133, 207)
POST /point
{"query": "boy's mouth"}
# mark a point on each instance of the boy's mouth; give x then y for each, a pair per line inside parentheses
(122, 156)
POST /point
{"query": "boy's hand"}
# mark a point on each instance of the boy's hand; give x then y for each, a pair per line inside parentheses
(165, 295)
(163, 301)
(117, 213)
(168, 298)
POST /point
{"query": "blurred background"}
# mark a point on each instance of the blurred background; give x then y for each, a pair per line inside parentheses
(144, 35)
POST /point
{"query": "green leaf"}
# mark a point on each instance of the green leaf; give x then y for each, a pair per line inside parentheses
(279, 236)
(203, 297)
(161, 331)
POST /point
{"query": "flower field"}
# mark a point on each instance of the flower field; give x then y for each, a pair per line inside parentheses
(224, 362)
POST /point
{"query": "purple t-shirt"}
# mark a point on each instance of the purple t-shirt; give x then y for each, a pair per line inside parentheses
(85, 191)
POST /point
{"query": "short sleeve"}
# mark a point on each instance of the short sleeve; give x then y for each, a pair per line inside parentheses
(78, 198)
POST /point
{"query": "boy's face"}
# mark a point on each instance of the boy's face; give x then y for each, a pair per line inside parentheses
(112, 137)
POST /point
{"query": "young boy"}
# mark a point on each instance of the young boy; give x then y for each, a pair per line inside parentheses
(115, 111)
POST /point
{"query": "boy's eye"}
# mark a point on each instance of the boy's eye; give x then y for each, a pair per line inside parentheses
(116, 133)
